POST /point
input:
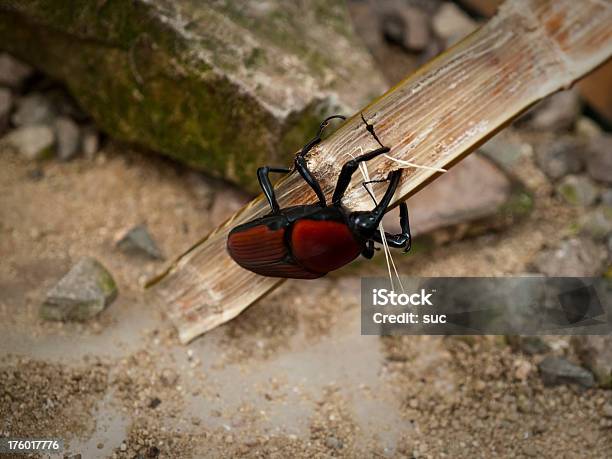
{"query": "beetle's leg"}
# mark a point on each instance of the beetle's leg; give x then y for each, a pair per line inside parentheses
(368, 251)
(266, 185)
(349, 168)
(403, 239)
(302, 166)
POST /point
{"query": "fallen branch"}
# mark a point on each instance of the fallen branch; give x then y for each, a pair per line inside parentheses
(434, 118)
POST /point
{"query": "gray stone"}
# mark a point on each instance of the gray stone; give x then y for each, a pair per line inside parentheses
(6, 104)
(138, 240)
(33, 109)
(68, 138)
(556, 113)
(595, 353)
(578, 190)
(91, 142)
(607, 410)
(579, 257)
(606, 197)
(31, 141)
(405, 25)
(599, 159)
(333, 443)
(562, 157)
(557, 370)
(13, 73)
(451, 23)
(530, 345)
(221, 86)
(505, 152)
(86, 290)
(597, 223)
(474, 190)
(587, 128)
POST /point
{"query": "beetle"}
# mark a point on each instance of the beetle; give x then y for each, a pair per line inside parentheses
(308, 241)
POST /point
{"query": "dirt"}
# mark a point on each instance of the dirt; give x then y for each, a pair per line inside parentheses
(290, 377)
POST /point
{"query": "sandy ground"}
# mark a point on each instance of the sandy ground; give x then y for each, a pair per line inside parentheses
(292, 376)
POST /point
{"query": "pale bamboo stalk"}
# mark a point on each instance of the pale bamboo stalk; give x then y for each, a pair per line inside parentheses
(435, 117)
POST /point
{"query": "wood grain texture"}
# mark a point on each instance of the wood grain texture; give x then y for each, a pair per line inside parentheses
(435, 117)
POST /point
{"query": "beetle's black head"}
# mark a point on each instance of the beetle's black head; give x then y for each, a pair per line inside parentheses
(363, 224)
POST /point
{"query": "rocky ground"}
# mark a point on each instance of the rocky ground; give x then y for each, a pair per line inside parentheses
(292, 376)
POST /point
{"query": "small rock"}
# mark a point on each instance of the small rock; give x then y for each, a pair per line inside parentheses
(556, 113)
(123, 447)
(607, 410)
(32, 110)
(68, 138)
(139, 241)
(333, 442)
(154, 403)
(587, 128)
(578, 190)
(595, 353)
(451, 23)
(168, 377)
(606, 197)
(505, 152)
(579, 257)
(91, 142)
(6, 104)
(522, 369)
(86, 290)
(597, 223)
(557, 370)
(599, 159)
(13, 73)
(405, 25)
(562, 157)
(31, 141)
(530, 345)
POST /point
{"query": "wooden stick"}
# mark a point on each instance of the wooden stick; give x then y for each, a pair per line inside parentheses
(435, 117)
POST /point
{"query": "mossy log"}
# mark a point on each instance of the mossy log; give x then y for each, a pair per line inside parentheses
(221, 86)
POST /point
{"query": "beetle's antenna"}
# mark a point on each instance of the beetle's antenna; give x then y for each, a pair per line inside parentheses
(416, 166)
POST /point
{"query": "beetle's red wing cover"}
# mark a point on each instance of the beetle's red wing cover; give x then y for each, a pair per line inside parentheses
(263, 251)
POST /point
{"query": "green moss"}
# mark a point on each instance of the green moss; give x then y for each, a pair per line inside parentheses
(520, 203)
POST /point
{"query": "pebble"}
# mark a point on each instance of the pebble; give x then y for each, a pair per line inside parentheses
(6, 104)
(13, 73)
(599, 159)
(333, 442)
(597, 223)
(33, 109)
(85, 291)
(556, 113)
(138, 241)
(451, 23)
(405, 25)
(123, 447)
(579, 257)
(169, 377)
(595, 352)
(68, 138)
(587, 128)
(578, 190)
(558, 370)
(90, 142)
(33, 142)
(562, 157)
(607, 410)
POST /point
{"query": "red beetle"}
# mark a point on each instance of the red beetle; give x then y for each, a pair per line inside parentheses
(306, 242)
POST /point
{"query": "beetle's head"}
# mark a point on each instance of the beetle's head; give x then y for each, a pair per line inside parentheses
(363, 224)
